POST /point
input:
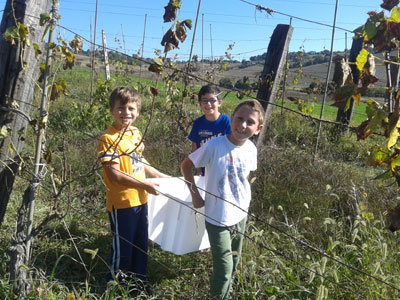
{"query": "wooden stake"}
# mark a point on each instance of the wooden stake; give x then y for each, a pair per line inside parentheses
(107, 66)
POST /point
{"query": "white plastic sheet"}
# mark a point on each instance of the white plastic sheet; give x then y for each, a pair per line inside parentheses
(173, 224)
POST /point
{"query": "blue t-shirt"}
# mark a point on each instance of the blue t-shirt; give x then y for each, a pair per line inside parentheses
(204, 130)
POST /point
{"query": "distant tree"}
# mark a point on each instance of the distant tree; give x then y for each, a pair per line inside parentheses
(226, 82)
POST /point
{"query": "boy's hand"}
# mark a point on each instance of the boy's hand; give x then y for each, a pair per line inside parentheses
(151, 188)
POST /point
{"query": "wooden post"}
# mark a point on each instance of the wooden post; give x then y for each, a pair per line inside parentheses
(273, 69)
(342, 116)
(15, 85)
(212, 55)
(107, 65)
(144, 36)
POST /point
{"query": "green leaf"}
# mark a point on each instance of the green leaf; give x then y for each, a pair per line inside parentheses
(187, 23)
(93, 253)
(362, 58)
(386, 175)
(23, 33)
(370, 30)
(37, 50)
(158, 61)
(11, 34)
(371, 108)
(395, 163)
(378, 156)
(395, 15)
(3, 132)
(45, 31)
(44, 18)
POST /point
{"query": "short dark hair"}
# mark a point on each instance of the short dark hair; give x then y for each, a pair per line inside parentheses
(255, 106)
(124, 95)
(209, 89)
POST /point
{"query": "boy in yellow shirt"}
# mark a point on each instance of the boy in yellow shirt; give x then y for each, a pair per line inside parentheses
(124, 168)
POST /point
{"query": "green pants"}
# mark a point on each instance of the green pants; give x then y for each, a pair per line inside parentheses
(226, 247)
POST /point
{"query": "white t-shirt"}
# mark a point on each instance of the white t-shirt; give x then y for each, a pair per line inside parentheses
(227, 168)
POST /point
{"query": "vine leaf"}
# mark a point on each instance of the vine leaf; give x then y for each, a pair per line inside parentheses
(395, 163)
(38, 51)
(58, 88)
(44, 19)
(47, 156)
(395, 15)
(181, 31)
(4, 131)
(171, 10)
(155, 68)
(394, 135)
(370, 30)
(76, 44)
(378, 156)
(377, 117)
(362, 59)
(188, 23)
(154, 91)
(23, 33)
(389, 4)
(11, 34)
(42, 68)
(170, 38)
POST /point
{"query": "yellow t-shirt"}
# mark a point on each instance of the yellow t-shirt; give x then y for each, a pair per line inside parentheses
(124, 149)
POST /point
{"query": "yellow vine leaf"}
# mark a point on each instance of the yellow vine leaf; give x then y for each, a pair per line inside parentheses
(368, 216)
(362, 59)
(378, 157)
(357, 98)
(394, 135)
(394, 164)
(395, 15)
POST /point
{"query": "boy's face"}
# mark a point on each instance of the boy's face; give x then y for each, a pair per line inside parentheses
(244, 124)
(124, 115)
(209, 104)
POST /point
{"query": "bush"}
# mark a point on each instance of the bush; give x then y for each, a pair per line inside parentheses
(226, 83)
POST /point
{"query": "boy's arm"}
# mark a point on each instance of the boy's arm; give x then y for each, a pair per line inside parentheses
(187, 167)
(198, 170)
(151, 171)
(194, 146)
(116, 175)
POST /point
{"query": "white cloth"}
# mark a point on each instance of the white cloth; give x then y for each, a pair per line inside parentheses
(227, 168)
(173, 223)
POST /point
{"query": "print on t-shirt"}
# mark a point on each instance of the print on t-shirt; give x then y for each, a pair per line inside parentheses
(206, 135)
(234, 174)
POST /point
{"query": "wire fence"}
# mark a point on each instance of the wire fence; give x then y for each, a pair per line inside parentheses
(301, 243)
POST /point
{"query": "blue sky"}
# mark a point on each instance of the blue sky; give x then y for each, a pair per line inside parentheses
(232, 21)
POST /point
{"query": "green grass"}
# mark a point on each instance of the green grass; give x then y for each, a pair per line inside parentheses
(330, 112)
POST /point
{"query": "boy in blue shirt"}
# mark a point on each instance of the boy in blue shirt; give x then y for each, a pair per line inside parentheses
(213, 123)
(228, 161)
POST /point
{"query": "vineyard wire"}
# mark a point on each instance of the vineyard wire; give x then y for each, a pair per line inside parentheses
(270, 11)
(216, 84)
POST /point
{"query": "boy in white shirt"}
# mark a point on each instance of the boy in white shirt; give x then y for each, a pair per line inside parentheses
(228, 161)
